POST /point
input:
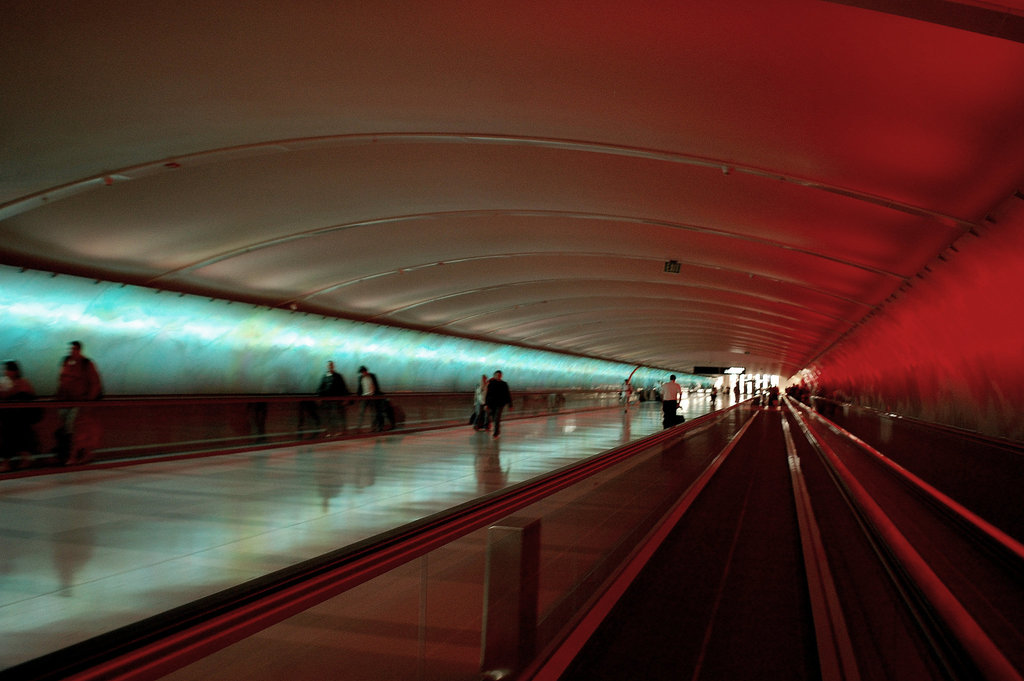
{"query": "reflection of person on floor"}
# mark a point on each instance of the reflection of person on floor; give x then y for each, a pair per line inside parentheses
(369, 389)
(498, 397)
(489, 475)
(74, 547)
(78, 432)
(330, 480)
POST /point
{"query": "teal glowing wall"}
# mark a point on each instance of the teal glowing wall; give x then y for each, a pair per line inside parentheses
(148, 342)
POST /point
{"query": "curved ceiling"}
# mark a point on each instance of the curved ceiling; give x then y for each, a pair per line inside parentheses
(517, 172)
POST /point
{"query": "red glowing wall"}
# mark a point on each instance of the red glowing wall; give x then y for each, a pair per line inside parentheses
(950, 348)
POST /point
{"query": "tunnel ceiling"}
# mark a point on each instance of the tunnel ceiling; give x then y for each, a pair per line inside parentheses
(518, 172)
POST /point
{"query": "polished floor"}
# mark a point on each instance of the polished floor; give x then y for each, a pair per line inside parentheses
(86, 552)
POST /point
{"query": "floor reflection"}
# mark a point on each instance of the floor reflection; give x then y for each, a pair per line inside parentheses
(121, 544)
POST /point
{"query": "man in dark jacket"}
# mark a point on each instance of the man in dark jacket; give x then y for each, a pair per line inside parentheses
(498, 397)
(332, 385)
(78, 432)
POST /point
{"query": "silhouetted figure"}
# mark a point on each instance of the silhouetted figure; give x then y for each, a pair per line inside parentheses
(17, 436)
(498, 397)
(480, 415)
(332, 385)
(671, 392)
(78, 432)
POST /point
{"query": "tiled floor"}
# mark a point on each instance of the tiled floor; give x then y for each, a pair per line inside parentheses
(89, 551)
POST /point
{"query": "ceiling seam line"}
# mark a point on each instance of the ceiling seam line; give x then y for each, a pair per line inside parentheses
(10, 208)
(575, 215)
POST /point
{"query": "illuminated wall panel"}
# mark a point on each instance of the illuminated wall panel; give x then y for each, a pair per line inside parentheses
(950, 349)
(150, 342)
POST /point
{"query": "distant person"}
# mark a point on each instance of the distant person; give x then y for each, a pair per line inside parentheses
(626, 394)
(497, 398)
(480, 420)
(332, 385)
(671, 393)
(714, 395)
(17, 436)
(78, 431)
(736, 392)
(369, 389)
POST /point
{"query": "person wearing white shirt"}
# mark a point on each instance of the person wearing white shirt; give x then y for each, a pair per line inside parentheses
(671, 392)
(369, 389)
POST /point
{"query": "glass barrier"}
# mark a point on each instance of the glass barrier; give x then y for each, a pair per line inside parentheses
(47, 433)
(487, 604)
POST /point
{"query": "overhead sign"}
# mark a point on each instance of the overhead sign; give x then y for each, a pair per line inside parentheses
(719, 370)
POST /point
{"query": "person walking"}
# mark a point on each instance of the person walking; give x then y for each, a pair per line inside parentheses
(498, 397)
(78, 432)
(671, 392)
(480, 420)
(626, 394)
(17, 437)
(332, 385)
(369, 389)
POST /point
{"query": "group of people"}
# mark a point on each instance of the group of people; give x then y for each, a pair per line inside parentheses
(78, 431)
(332, 389)
(490, 399)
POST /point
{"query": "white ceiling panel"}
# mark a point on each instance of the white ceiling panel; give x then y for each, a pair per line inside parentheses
(516, 172)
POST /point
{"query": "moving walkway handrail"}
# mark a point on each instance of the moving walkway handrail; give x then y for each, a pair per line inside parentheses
(983, 438)
(836, 656)
(162, 643)
(979, 524)
(553, 663)
(976, 643)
